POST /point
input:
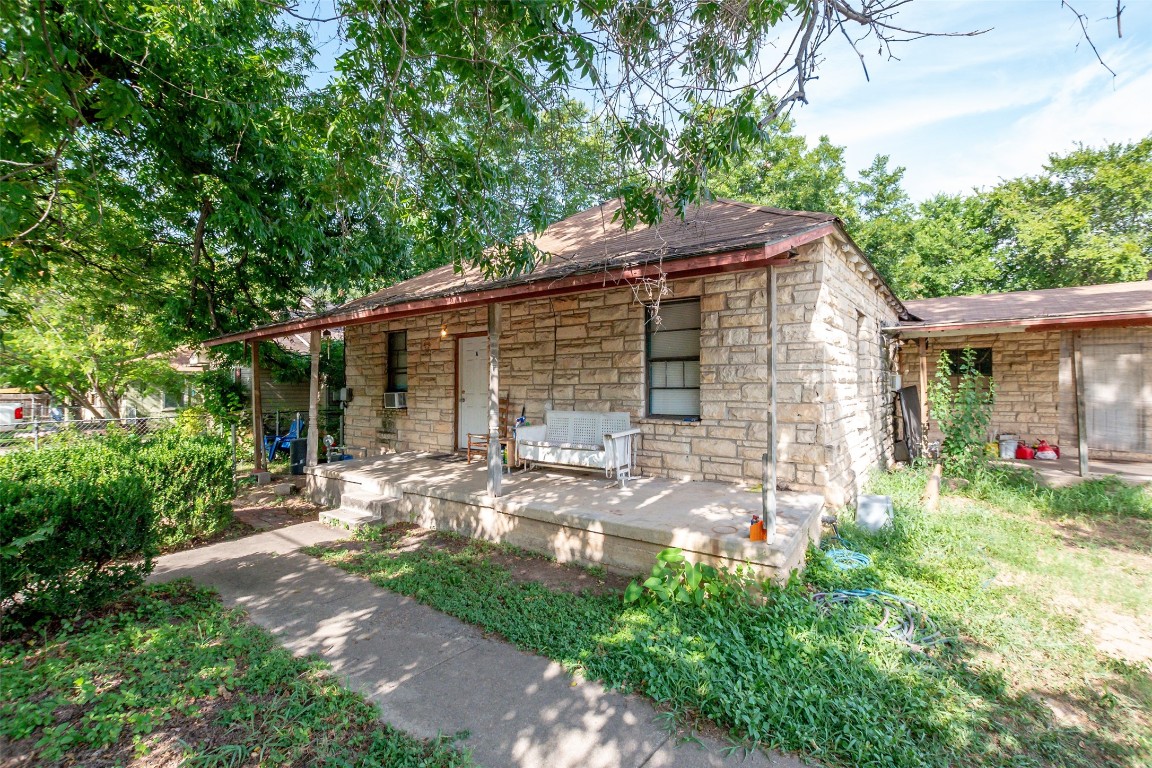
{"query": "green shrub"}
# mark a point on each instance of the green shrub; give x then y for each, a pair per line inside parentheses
(962, 411)
(192, 485)
(75, 530)
(193, 421)
(224, 396)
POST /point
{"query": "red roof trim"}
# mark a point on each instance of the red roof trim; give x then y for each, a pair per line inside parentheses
(693, 266)
(1067, 323)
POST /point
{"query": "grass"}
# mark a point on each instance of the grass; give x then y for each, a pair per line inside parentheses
(1023, 686)
(169, 676)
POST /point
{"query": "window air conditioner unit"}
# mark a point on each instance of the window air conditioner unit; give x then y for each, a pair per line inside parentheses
(395, 399)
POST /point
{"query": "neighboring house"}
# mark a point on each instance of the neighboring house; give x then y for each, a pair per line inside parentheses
(186, 361)
(1026, 342)
(669, 323)
(288, 397)
(285, 398)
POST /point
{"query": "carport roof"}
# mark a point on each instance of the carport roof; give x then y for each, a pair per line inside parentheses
(1086, 306)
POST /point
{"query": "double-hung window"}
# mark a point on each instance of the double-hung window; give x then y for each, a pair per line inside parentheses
(398, 361)
(673, 349)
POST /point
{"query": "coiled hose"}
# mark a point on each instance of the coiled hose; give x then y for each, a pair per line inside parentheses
(901, 619)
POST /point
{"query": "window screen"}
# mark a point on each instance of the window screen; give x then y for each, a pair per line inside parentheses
(398, 361)
(983, 360)
(674, 359)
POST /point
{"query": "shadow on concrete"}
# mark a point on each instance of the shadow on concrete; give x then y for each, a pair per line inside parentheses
(429, 673)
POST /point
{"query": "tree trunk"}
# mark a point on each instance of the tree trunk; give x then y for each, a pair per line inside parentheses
(109, 399)
(198, 250)
(83, 400)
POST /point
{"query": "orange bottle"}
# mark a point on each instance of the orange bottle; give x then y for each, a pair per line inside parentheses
(757, 531)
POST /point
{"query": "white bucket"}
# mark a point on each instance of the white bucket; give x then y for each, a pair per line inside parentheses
(874, 512)
(1008, 446)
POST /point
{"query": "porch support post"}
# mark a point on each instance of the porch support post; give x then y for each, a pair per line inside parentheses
(314, 400)
(922, 346)
(258, 464)
(768, 485)
(495, 465)
(1081, 412)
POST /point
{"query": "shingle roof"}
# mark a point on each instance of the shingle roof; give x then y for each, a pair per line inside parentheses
(591, 241)
(723, 233)
(1017, 307)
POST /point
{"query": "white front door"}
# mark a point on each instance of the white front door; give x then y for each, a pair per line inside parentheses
(472, 399)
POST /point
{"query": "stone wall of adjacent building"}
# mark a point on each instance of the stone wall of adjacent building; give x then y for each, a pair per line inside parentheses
(1026, 370)
(587, 352)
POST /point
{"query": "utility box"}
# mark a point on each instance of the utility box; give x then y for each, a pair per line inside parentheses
(298, 455)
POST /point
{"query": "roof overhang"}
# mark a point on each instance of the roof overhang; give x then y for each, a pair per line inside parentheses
(738, 260)
(1024, 325)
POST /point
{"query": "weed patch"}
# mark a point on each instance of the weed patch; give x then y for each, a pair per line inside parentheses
(783, 672)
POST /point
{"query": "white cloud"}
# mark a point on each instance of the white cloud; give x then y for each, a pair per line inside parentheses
(967, 112)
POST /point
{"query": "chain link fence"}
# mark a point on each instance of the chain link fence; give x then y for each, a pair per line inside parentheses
(39, 432)
(280, 422)
(280, 426)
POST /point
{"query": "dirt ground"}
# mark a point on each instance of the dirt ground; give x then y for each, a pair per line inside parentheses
(261, 508)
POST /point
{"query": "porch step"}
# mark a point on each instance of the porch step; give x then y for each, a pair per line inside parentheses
(357, 511)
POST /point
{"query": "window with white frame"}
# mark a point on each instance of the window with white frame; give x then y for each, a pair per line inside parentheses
(673, 350)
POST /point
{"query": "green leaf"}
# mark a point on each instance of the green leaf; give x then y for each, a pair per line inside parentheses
(633, 593)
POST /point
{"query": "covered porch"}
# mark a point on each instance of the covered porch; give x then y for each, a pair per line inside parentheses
(1066, 470)
(572, 516)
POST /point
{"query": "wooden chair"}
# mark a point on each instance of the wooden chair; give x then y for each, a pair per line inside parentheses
(478, 443)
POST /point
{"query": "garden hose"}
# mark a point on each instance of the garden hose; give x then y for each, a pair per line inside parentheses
(847, 559)
(901, 619)
(843, 556)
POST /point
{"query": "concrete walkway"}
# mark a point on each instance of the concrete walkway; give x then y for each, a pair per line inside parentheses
(431, 674)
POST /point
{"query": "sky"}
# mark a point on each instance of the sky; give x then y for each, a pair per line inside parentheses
(965, 112)
(961, 113)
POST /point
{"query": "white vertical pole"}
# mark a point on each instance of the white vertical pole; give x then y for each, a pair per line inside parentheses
(314, 400)
(769, 491)
(495, 465)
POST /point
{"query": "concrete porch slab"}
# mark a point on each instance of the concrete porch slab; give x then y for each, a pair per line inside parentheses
(581, 516)
(1065, 470)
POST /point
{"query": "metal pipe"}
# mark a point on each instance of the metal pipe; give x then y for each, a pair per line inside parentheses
(1081, 409)
(768, 484)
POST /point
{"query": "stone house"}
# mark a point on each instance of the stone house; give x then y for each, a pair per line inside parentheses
(1071, 365)
(695, 327)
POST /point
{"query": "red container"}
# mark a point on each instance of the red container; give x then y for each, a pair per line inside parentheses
(1024, 452)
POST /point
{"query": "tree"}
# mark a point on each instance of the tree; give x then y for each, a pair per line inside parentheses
(886, 223)
(67, 347)
(169, 149)
(953, 248)
(681, 86)
(1086, 219)
(784, 172)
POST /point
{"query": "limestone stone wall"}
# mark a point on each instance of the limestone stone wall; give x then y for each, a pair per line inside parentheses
(834, 402)
(1026, 371)
(587, 352)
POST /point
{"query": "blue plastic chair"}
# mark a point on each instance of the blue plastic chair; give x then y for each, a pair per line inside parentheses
(274, 443)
